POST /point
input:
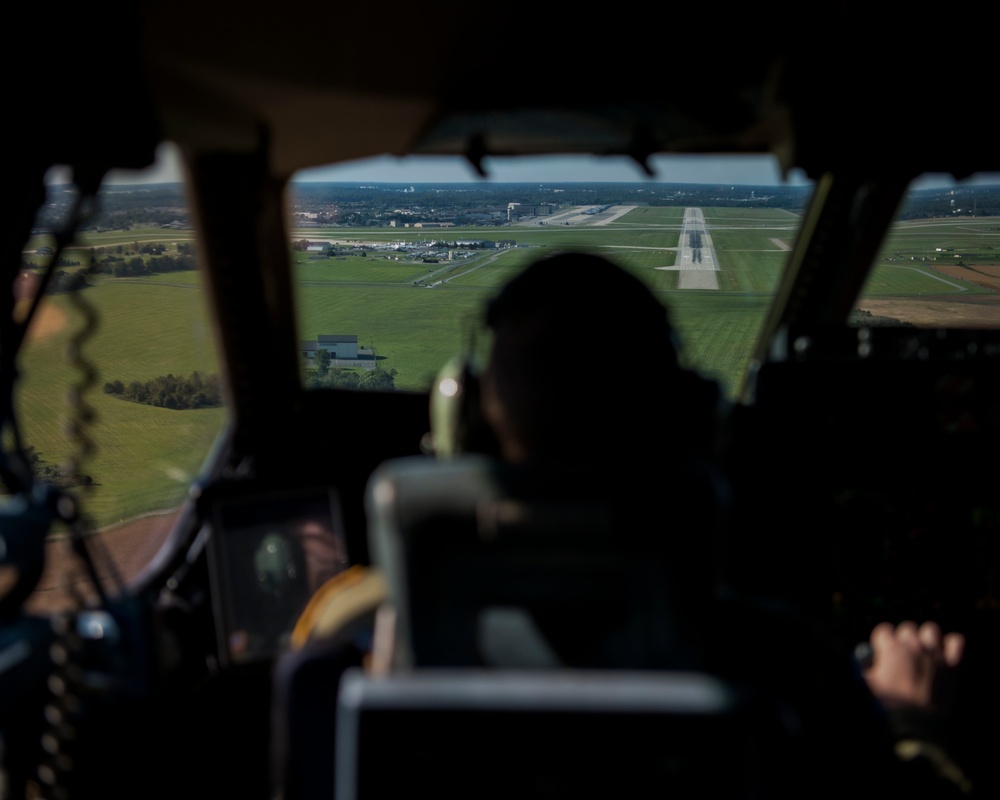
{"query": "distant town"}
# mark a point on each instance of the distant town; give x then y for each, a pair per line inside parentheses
(427, 205)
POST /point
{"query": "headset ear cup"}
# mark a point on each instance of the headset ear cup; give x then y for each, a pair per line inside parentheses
(476, 434)
(456, 417)
(448, 403)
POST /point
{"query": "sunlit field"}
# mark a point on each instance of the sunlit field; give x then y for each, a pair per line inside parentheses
(934, 256)
(415, 333)
(143, 456)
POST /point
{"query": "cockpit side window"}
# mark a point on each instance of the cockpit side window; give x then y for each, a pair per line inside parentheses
(119, 399)
(940, 265)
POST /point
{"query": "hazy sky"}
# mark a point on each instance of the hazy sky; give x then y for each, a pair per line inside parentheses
(747, 170)
(559, 169)
(543, 169)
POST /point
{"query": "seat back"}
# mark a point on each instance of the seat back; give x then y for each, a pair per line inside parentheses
(552, 733)
(492, 565)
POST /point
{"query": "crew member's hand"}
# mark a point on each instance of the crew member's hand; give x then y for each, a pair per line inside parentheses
(914, 666)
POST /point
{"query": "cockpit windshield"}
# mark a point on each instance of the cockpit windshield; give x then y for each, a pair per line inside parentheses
(392, 272)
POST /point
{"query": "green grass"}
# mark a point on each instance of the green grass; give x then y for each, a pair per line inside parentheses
(189, 278)
(348, 269)
(144, 456)
(650, 215)
(915, 279)
(718, 331)
(416, 331)
(140, 235)
(944, 240)
(413, 330)
(113, 238)
(906, 262)
(491, 272)
(745, 216)
(416, 316)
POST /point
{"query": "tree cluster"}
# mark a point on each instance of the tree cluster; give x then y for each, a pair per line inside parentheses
(967, 201)
(375, 380)
(61, 281)
(862, 318)
(50, 473)
(121, 207)
(168, 391)
(136, 266)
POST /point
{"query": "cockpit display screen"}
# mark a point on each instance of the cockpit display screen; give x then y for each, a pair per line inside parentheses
(269, 554)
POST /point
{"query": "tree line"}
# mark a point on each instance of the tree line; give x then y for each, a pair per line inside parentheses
(121, 208)
(197, 391)
(118, 267)
(350, 204)
(169, 391)
(120, 261)
(966, 201)
(52, 473)
(137, 266)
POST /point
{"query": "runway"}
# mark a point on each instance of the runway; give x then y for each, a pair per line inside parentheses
(696, 259)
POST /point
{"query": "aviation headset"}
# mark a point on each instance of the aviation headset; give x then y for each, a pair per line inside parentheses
(457, 424)
(456, 418)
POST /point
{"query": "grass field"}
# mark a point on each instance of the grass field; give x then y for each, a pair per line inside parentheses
(415, 315)
(918, 251)
(144, 456)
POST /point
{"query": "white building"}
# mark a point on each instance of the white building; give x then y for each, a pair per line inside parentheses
(339, 346)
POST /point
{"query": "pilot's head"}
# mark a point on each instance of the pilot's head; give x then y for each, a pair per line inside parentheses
(581, 348)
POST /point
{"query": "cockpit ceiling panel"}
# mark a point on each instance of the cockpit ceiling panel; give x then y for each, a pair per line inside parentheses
(825, 87)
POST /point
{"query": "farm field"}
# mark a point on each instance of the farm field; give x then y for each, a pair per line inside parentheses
(417, 314)
(146, 455)
(962, 256)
